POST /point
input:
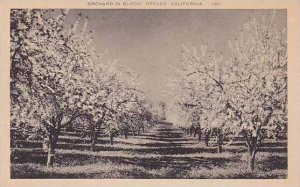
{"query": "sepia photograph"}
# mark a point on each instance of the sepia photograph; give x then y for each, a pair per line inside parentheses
(148, 94)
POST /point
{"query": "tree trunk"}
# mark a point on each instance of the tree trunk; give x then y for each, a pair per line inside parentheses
(252, 159)
(191, 131)
(93, 143)
(139, 130)
(143, 129)
(94, 137)
(126, 133)
(111, 138)
(219, 143)
(199, 135)
(69, 128)
(51, 150)
(220, 148)
(133, 132)
(195, 133)
(206, 138)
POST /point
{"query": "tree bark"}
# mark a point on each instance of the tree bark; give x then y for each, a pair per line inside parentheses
(220, 142)
(253, 147)
(206, 138)
(94, 137)
(69, 128)
(195, 133)
(199, 135)
(220, 148)
(111, 138)
(126, 133)
(191, 131)
(252, 154)
(51, 150)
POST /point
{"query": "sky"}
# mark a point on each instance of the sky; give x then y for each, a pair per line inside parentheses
(148, 40)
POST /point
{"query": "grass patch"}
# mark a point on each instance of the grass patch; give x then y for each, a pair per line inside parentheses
(161, 153)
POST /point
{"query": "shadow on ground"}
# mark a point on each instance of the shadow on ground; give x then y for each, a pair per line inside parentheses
(164, 152)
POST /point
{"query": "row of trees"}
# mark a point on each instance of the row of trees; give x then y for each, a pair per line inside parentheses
(243, 95)
(57, 80)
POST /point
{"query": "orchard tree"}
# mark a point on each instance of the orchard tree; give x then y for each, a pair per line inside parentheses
(259, 82)
(141, 116)
(96, 107)
(58, 59)
(200, 93)
(246, 94)
(163, 107)
(123, 94)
